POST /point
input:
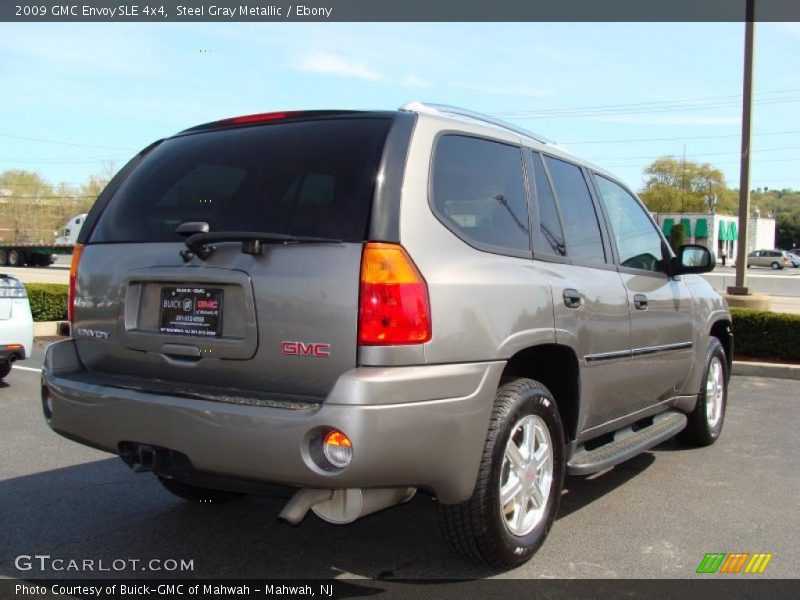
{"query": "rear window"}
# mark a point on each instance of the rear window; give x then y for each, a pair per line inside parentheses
(312, 178)
(479, 192)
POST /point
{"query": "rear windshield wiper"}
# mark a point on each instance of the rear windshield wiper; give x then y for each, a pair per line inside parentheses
(201, 244)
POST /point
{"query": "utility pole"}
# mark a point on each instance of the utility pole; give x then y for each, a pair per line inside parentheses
(683, 176)
(744, 175)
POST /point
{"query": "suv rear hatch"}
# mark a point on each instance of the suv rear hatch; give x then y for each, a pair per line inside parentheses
(279, 320)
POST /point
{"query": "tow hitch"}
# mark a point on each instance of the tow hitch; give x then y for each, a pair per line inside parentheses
(143, 458)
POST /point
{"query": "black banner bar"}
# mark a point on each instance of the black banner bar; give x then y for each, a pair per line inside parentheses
(740, 588)
(193, 11)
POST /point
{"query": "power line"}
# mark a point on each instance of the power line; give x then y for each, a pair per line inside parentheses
(60, 143)
(694, 154)
(676, 139)
(61, 161)
(533, 115)
(735, 98)
(766, 160)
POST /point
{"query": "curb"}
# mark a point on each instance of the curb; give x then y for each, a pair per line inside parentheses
(760, 369)
(50, 328)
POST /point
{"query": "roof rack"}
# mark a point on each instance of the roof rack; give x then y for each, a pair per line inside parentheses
(434, 109)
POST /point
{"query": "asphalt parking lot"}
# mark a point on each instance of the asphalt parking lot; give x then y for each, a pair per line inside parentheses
(653, 517)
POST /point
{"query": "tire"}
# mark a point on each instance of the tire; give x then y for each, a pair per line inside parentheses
(16, 259)
(197, 494)
(3, 258)
(705, 421)
(479, 529)
(5, 369)
(775, 266)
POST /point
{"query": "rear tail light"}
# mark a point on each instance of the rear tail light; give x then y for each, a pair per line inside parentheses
(394, 306)
(73, 275)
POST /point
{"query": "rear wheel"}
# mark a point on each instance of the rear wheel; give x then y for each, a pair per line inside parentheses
(16, 258)
(3, 258)
(705, 421)
(519, 482)
(5, 369)
(197, 494)
(775, 266)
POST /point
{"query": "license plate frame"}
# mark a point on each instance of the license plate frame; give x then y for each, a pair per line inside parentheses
(191, 311)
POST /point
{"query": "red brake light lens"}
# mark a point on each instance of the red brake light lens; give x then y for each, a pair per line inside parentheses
(394, 306)
(73, 275)
(260, 117)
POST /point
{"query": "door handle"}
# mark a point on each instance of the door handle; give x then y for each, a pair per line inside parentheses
(640, 302)
(572, 298)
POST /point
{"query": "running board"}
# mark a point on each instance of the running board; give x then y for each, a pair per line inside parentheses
(627, 444)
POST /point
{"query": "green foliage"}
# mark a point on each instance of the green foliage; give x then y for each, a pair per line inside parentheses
(677, 237)
(672, 185)
(48, 301)
(766, 334)
(34, 209)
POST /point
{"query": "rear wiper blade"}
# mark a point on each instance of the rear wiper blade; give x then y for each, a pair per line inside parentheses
(201, 244)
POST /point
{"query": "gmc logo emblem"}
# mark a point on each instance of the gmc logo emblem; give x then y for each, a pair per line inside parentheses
(209, 304)
(302, 349)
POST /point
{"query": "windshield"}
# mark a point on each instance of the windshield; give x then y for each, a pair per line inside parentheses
(307, 178)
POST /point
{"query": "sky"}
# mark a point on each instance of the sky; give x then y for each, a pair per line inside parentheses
(74, 97)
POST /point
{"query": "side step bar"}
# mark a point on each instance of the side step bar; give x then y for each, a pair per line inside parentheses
(627, 444)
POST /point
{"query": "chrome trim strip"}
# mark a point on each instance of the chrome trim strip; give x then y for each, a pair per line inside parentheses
(664, 348)
(607, 356)
(637, 352)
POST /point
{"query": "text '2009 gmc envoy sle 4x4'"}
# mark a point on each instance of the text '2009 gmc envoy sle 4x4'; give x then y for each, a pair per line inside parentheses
(363, 304)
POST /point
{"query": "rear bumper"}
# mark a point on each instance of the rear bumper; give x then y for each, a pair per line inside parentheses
(419, 426)
(12, 350)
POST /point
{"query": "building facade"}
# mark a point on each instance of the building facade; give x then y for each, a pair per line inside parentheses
(720, 233)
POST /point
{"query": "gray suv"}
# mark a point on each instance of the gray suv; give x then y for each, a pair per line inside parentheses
(360, 305)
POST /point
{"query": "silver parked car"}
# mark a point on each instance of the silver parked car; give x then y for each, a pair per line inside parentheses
(366, 304)
(774, 259)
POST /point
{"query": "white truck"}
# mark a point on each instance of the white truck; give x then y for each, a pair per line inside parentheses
(42, 255)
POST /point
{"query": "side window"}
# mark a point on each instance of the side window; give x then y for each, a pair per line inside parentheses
(638, 242)
(550, 238)
(478, 190)
(581, 227)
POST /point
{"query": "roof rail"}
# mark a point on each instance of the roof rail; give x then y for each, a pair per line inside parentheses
(433, 109)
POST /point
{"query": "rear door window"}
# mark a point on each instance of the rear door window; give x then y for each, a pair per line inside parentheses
(550, 237)
(581, 226)
(312, 178)
(479, 192)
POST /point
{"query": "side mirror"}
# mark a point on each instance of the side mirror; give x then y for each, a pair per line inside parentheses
(693, 258)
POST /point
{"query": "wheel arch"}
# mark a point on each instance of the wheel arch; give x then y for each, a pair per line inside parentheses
(556, 367)
(722, 329)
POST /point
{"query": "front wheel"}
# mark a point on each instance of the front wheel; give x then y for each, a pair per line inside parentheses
(519, 481)
(705, 421)
(5, 369)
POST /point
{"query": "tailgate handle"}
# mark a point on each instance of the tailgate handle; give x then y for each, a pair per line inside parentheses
(182, 350)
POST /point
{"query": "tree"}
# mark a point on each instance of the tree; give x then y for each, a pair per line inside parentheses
(677, 237)
(672, 185)
(788, 231)
(24, 196)
(31, 209)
